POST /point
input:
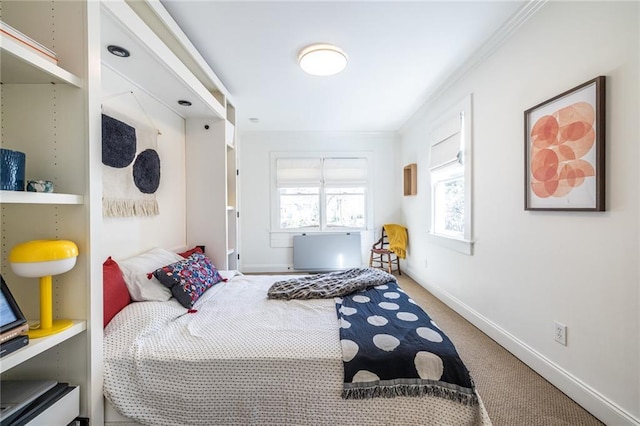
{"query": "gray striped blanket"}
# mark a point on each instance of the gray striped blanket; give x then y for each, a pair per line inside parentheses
(325, 286)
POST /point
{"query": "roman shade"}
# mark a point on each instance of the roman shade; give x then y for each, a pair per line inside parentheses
(447, 142)
(345, 172)
(298, 172)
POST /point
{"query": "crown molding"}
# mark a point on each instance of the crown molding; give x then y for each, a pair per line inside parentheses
(501, 35)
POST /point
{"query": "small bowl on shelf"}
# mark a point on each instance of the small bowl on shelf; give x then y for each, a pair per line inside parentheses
(39, 186)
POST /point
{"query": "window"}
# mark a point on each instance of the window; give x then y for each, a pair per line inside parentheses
(321, 193)
(450, 173)
(299, 207)
(448, 203)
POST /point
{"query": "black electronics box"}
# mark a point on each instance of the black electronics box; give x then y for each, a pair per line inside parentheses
(13, 345)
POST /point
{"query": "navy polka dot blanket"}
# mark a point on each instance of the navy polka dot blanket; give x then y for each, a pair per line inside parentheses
(391, 347)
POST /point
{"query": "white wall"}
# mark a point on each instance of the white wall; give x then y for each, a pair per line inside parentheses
(124, 237)
(256, 253)
(530, 269)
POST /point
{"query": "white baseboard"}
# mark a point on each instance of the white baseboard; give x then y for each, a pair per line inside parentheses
(589, 398)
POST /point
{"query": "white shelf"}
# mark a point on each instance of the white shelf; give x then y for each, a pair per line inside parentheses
(229, 134)
(38, 346)
(230, 208)
(26, 197)
(230, 251)
(21, 65)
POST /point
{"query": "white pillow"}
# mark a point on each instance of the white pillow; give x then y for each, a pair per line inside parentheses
(136, 270)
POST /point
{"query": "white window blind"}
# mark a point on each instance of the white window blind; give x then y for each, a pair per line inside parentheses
(447, 143)
(298, 172)
(345, 172)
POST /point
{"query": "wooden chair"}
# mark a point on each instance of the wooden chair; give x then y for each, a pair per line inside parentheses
(383, 258)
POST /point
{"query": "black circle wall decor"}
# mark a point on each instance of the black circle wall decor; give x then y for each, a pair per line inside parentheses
(118, 143)
(146, 171)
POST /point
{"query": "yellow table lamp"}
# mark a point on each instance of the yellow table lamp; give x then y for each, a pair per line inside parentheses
(42, 259)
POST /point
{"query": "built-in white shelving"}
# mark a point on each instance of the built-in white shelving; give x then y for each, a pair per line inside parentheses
(21, 65)
(44, 114)
(60, 122)
(38, 346)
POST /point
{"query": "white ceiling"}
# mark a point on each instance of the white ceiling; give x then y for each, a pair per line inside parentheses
(399, 53)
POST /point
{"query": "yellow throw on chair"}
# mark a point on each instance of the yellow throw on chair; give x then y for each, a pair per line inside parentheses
(397, 239)
(387, 251)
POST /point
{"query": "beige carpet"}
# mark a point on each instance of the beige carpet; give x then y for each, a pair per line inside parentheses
(513, 394)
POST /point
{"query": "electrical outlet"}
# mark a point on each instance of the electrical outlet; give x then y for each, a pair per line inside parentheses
(560, 333)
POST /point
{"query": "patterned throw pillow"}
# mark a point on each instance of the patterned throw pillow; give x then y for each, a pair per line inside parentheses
(189, 278)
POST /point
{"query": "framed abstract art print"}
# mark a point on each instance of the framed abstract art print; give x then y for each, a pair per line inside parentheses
(565, 150)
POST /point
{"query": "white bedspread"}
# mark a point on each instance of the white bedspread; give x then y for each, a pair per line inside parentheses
(245, 359)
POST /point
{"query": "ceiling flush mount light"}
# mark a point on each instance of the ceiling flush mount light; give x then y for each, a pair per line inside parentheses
(118, 51)
(322, 59)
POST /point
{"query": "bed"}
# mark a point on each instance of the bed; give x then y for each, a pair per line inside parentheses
(236, 356)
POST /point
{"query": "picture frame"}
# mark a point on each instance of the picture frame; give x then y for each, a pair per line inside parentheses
(565, 150)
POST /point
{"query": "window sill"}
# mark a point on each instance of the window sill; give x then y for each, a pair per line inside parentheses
(456, 244)
(299, 231)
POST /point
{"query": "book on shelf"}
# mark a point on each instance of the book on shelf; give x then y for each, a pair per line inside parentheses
(13, 324)
(14, 332)
(13, 345)
(33, 45)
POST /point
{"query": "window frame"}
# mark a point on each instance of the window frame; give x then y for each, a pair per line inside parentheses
(465, 242)
(323, 228)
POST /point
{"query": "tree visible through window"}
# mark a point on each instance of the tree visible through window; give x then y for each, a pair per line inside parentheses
(299, 208)
(345, 207)
(449, 207)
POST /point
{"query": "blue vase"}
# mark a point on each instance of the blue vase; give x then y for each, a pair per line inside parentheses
(12, 164)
